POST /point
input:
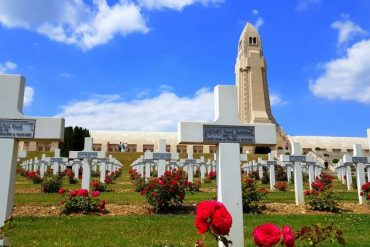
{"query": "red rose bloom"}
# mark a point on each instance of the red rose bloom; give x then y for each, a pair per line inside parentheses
(61, 191)
(72, 193)
(203, 213)
(102, 205)
(95, 184)
(307, 192)
(288, 236)
(221, 221)
(266, 235)
(95, 193)
(83, 192)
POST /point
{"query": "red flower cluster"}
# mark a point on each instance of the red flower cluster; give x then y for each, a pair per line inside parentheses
(281, 185)
(95, 193)
(322, 183)
(134, 174)
(95, 183)
(166, 191)
(365, 190)
(212, 175)
(213, 215)
(61, 191)
(102, 205)
(107, 180)
(268, 235)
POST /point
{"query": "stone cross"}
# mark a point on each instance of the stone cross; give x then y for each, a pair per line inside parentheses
(43, 165)
(359, 160)
(14, 127)
(347, 163)
(86, 155)
(260, 168)
(56, 161)
(296, 158)
(189, 162)
(227, 133)
(271, 162)
(162, 156)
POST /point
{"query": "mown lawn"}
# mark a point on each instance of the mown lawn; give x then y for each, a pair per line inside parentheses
(149, 230)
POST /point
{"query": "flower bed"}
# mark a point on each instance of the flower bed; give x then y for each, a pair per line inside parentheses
(281, 185)
(252, 197)
(365, 191)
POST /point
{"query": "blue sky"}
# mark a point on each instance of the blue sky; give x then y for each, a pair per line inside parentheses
(147, 64)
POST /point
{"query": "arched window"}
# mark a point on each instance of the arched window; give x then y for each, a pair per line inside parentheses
(254, 40)
(250, 40)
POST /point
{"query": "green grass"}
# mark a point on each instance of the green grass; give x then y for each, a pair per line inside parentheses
(146, 230)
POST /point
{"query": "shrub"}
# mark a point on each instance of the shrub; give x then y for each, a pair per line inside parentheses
(35, 177)
(335, 161)
(252, 196)
(139, 184)
(98, 186)
(280, 173)
(365, 190)
(51, 184)
(265, 178)
(71, 176)
(321, 197)
(81, 201)
(281, 185)
(167, 192)
(133, 174)
(95, 174)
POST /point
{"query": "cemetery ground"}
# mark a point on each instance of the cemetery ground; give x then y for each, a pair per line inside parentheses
(130, 222)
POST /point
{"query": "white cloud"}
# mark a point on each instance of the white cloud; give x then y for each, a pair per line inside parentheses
(347, 30)
(174, 4)
(346, 78)
(258, 23)
(160, 113)
(306, 4)
(7, 66)
(255, 12)
(28, 96)
(275, 99)
(73, 21)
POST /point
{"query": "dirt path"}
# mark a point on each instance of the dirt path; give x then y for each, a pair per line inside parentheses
(143, 209)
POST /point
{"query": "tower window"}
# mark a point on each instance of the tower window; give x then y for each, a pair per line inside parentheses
(254, 40)
(250, 40)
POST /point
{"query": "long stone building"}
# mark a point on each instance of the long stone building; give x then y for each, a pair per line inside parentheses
(253, 107)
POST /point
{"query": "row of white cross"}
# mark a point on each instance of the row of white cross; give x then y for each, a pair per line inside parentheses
(226, 132)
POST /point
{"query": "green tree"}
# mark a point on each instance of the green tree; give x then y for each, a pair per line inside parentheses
(74, 139)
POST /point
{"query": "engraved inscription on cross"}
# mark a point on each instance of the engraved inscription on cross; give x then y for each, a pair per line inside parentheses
(14, 127)
(227, 132)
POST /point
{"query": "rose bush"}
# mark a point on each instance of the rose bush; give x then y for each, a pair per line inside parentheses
(98, 186)
(51, 184)
(81, 201)
(281, 185)
(252, 197)
(322, 197)
(365, 190)
(167, 191)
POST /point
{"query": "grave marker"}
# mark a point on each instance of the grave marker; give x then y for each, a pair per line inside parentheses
(227, 132)
(14, 127)
(87, 155)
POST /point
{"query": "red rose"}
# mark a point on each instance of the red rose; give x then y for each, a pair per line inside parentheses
(102, 205)
(307, 192)
(95, 183)
(95, 193)
(288, 236)
(107, 180)
(203, 213)
(202, 225)
(83, 192)
(72, 193)
(221, 221)
(266, 235)
(61, 191)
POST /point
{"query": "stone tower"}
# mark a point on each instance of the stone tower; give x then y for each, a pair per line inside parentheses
(251, 81)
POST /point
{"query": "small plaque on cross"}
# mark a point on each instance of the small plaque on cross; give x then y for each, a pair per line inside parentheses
(272, 162)
(87, 155)
(162, 156)
(359, 160)
(228, 134)
(297, 158)
(15, 128)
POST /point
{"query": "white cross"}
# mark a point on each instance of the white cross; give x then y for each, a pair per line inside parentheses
(359, 160)
(228, 150)
(296, 158)
(86, 155)
(271, 162)
(14, 126)
(56, 161)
